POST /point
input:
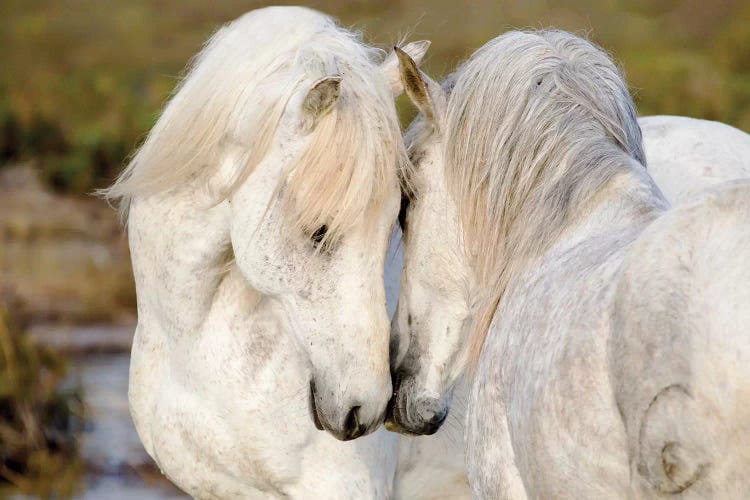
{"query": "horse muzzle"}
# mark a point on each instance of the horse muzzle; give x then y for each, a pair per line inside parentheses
(413, 415)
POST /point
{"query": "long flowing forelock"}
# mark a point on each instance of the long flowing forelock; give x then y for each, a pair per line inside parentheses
(352, 160)
(235, 94)
(536, 124)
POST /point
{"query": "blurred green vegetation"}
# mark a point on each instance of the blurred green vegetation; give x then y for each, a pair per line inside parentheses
(81, 81)
(38, 447)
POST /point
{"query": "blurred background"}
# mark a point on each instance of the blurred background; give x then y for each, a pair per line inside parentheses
(82, 81)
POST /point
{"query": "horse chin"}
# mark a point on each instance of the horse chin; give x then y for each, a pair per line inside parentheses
(391, 424)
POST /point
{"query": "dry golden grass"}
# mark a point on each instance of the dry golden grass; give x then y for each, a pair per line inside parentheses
(38, 450)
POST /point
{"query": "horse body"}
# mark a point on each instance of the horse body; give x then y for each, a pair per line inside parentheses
(268, 447)
(615, 383)
(615, 361)
(680, 365)
(226, 415)
(552, 392)
(686, 155)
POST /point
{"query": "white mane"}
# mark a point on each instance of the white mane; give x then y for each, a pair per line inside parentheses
(235, 94)
(537, 122)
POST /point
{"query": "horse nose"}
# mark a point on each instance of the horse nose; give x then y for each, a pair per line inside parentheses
(352, 427)
(430, 411)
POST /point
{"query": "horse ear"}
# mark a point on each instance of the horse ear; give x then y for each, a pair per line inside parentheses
(320, 100)
(416, 84)
(416, 51)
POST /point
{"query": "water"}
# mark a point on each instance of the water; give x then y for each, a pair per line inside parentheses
(116, 463)
(117, 466)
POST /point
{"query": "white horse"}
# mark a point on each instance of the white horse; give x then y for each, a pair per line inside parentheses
(260, 208)
(685, 156)
(617, 360)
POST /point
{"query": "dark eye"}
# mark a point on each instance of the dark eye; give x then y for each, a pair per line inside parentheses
(319, 234)
(402, 212)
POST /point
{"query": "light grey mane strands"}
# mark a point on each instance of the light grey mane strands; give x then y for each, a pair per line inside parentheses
(537, 122)
(232, 100)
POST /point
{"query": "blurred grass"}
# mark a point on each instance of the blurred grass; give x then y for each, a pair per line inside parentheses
(38, 447)
(81, 81)
(64, 258)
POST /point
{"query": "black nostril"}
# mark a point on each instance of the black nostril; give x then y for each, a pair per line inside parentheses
(352, 420)
(314, 408)
(438, 419)
(352, 428)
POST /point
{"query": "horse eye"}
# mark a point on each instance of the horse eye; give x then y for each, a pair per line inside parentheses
(402, 212)
(319, 234)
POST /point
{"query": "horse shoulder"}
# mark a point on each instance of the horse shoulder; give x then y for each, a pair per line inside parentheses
(680, 351)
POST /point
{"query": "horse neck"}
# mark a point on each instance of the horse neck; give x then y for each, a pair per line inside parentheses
(627, 203)
(626, 199)
(180, 247)
(621, 196)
